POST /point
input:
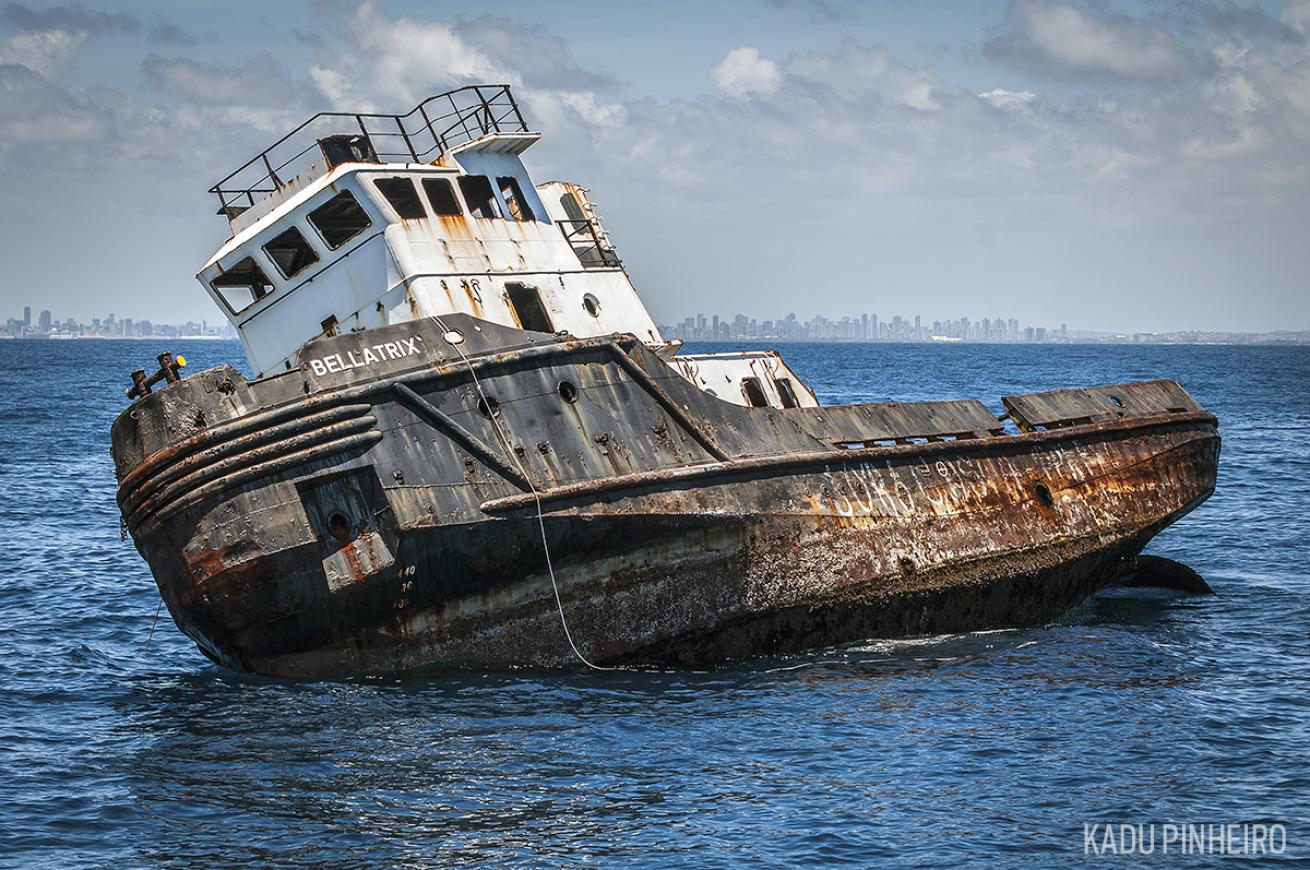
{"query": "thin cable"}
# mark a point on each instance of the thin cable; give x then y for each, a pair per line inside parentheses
(536, 497)
(158, 607)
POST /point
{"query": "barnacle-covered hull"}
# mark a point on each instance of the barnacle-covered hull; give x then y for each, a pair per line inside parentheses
(390, 505)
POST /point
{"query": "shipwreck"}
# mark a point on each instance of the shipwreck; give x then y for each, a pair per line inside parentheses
(467, 444)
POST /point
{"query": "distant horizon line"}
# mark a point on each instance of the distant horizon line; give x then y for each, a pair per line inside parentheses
(1299, 335)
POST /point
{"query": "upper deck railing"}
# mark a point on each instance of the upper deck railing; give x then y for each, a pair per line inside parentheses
(427, 131)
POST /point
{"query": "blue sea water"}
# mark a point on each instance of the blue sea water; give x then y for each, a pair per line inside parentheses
(990, 749)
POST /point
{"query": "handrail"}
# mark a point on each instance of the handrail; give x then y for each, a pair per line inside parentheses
(425, 132)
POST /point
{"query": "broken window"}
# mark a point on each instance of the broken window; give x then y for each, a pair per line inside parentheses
(786, 393)
(290, 252)
(403, 196)
(480, 197)
(242, 285)
(528, 310)
(514, 201)
(754, 393)
(340, 219)
(347, 148)
(441, 196)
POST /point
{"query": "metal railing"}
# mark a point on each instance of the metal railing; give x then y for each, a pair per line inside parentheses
(427, 131)
(591, 249)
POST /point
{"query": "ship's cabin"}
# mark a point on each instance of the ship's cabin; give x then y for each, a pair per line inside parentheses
(355, 221)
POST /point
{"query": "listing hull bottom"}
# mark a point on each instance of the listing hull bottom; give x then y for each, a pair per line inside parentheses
(694, 590)
(942, 601)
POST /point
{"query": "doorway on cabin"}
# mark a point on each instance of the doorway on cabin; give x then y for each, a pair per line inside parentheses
(528, 310)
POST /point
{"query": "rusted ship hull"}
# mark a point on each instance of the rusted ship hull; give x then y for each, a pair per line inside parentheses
(374, 519)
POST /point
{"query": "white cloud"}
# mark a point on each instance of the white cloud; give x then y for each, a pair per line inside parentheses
(399, 61)
(1063, 39)
(744, 72)
(854, 72)
(389, 64)
(258, 82)
(1001, 98)
(48, 53)
(1296, 15)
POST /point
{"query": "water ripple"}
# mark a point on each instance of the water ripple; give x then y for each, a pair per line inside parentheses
(989, 748)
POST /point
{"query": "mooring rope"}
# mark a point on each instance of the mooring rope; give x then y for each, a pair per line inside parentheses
(536, 496)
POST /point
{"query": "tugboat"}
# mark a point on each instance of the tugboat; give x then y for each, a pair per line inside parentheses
(466, 444)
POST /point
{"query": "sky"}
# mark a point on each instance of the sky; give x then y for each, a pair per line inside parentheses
(1110, 165)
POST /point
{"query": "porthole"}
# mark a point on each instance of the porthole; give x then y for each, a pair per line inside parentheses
(568, 391)
(488, 407)
(1116, 401)
(339, 525)
(454, 336)
(592, 304)
(1044, 495)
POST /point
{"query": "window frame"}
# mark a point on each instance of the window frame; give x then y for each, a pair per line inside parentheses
(254, 298)
(515, 199)
(454, 196)
(492, 200)
(761, 400)
(344, 192)
(378, 180)
(786, 392)
(314, 257)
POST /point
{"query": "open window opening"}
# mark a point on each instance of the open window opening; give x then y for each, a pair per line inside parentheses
(441, 196)
(754, 393)
(571, 207)
(242, 285)
(403, 197)
(340, 219)
(786, 393)
(528, 310)
(480, 197)
(514, 201)
(290, 252)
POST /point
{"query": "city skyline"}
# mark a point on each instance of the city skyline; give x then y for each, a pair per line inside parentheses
(46, 325)
(701, 327)
(860, 327)
(869, 327)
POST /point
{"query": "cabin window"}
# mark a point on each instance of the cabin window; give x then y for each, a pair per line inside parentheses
(528, 310)
(754, 393)
(591, 304)
(242, 285)
(441, 195)
(290, 252)
(514, 201)
(403, 197)
(571, 208)
(480, 197)
(786, 393)
(340, 219)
